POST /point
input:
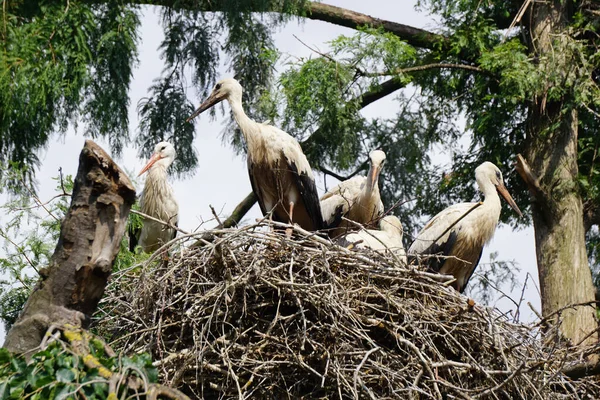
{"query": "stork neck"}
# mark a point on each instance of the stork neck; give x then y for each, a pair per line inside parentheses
(244, 122)
(158, 172)
(490, 195)
(367, 192)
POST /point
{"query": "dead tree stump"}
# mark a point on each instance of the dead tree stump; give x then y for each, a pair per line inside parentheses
(72, 285)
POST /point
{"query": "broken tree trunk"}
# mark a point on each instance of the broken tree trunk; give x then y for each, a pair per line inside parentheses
(71, 286)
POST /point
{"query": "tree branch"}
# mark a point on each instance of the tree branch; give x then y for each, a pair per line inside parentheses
(313, 10)
(425, 67)
(240, 211)
(583, 370)
(352, 19)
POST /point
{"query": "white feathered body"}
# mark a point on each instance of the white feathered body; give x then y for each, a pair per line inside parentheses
(471, 234)
(354, 200)
(388, 238)
(280, 173)
(158, 201)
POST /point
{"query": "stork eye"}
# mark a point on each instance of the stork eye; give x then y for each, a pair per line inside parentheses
(217, 86)
(498, 175)
(162, 148)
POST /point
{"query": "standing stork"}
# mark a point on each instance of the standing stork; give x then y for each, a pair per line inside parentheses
(158, 200)
(356, 199)
(279, 171)
(463, 229)
(388, 238)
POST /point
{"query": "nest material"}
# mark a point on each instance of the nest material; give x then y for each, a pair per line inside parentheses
(256, 314)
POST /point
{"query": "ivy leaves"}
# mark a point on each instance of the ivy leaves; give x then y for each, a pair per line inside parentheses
(56, 373)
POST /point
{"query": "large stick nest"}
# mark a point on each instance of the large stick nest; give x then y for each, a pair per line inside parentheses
(255, 314)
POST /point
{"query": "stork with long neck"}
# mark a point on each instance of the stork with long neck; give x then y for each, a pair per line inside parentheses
(462, 230)
(387, 238)
(158, 200)
(279, 172)
(356, 199)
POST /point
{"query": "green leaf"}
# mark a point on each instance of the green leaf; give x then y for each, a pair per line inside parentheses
(65, 375)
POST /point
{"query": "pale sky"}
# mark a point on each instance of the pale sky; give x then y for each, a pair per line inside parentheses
(221, 179)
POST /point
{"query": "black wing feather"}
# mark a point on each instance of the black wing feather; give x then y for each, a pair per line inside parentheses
(440, 248)
(334, 222)
(261, 204)
(308, 191)
(462, 289)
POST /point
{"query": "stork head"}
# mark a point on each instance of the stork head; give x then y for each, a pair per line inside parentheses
(488, 174)
(226, 89)
(392, 225)
(377, 158)
(164, 155)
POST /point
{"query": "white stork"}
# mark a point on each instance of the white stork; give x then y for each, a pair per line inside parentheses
(279, 171)
(157, 199)
(388, 238)
(466, 238)
(356, 199)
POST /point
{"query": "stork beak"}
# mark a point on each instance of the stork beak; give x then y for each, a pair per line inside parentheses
(155, 157)
(375, 170)
(213, 99)
(504, 192)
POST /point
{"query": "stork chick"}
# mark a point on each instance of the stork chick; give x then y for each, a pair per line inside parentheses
(279, 172)
(466, 238)
(387, 238)
(356, 199)
(158, 200)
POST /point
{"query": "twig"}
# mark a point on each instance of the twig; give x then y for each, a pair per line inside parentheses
(214, 213)
(425, 67)
(167, 224)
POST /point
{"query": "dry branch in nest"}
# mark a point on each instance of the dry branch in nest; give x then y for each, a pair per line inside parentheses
(255, 314)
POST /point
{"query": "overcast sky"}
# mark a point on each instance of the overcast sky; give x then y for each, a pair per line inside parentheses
(221, 179)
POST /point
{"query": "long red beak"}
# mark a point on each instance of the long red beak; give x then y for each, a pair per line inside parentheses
(374, 177)
(504, 193)
(208, 103)
(155, 157)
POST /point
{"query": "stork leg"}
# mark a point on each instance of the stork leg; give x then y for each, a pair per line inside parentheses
(288, 231)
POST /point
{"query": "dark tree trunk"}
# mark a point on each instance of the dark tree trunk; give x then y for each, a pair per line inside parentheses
(557, 211)
(71, 286)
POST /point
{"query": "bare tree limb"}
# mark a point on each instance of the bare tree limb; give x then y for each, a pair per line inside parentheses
(425, 67)
(352, 19)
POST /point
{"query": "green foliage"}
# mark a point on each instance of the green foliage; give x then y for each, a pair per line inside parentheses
(29, 233)
(57, 373)
(374, 50)
(58, 62)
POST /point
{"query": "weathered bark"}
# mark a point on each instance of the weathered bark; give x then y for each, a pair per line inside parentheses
(71, 286)
(557, 209)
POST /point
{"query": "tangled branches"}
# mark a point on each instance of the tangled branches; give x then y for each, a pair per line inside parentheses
(257, 314)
